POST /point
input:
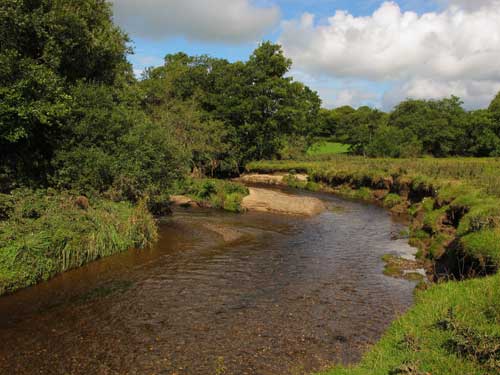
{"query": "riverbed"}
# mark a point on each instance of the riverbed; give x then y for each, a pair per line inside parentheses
(220, 293)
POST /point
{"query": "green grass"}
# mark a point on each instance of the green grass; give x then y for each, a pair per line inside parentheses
(221, 194)
(454, 327)
(392, 200)
(479, 173)
(44, 233)
(328, 148)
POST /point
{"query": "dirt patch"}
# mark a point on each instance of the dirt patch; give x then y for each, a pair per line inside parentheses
(264, 200)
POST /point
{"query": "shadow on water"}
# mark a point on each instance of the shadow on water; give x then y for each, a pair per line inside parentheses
(285, 296)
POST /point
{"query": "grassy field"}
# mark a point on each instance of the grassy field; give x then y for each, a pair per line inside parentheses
(328, 148)
(480, 173)
(454, 327)
(44, 233)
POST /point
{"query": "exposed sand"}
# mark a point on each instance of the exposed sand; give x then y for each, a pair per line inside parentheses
(265, 200)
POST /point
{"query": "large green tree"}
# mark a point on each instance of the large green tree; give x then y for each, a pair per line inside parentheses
(437, 124)
(253, 106)
(47, 46)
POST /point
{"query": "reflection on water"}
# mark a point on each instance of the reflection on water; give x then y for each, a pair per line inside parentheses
(284, 296)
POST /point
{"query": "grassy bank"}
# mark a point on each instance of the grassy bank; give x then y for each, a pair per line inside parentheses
(454, 328)
(479, 173)
(44, 233)
(213, 193)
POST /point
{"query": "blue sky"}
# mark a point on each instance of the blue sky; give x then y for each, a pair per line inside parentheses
(362, 57)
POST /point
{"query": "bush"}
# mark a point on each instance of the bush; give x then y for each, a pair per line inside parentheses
(215, 193)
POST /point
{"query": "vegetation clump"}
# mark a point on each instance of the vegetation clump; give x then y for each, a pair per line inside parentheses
(213, 193)
(46, 233)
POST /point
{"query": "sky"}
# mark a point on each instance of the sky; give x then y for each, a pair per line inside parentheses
(366, 52)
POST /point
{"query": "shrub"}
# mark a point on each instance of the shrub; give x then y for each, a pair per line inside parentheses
(216, 193)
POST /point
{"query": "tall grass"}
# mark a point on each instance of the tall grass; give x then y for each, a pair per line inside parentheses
(45, 233)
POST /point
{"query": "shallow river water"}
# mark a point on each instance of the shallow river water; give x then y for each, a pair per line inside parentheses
(289, 296)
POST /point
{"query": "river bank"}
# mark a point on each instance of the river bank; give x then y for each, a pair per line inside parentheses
(455, 224)
(45, 233)
(253, 293)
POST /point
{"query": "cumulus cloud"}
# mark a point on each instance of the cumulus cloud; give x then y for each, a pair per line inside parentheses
(230, 21)
(469, 4)
(476, 94)
(454, 51)
(353, 97)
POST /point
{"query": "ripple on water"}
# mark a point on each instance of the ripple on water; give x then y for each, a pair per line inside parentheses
(290, 296)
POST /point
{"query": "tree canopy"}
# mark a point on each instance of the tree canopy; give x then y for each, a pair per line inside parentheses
(73, 116)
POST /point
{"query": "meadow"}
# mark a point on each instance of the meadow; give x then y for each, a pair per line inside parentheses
(328, 148)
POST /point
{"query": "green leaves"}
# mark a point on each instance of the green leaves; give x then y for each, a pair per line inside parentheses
(239, 111)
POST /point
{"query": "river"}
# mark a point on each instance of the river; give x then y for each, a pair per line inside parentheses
(278, 295)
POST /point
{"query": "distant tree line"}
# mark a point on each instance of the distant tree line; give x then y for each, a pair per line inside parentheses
(415, 128)
(73, 116)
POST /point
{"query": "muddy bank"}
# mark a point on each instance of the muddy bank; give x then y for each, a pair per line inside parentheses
(264, 200)
(183, 201)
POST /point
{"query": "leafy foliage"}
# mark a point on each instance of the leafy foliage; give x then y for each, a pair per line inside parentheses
(214, 193)
(239, 111)
(46, 46)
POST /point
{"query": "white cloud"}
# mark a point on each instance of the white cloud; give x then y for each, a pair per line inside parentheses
(469, 4)
(476, 94)
(231, 21)
(437, 54)
(353, 97)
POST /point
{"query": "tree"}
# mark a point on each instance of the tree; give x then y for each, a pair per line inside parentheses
(389, 141)
(481, 136)
(494, 107)
(252, 106)
(46, 46)
(437, 124)
(357, 127)
(110, 145)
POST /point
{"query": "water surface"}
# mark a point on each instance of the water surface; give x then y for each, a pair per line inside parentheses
(290, 296)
